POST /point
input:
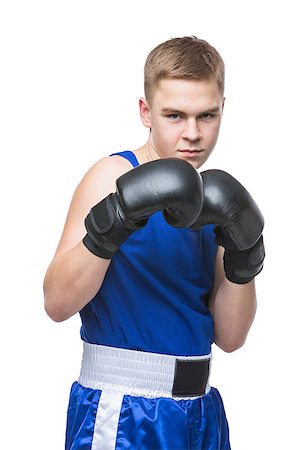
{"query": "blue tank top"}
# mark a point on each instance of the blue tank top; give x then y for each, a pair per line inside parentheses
(153, 294)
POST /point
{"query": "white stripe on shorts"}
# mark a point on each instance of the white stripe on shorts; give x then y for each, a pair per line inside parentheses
(107, 420)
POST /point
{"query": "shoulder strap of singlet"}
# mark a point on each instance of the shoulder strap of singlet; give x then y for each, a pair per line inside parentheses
(127, 154)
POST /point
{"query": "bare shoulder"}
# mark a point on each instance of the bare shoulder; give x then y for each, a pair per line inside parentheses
(101, 178)
(98, 182)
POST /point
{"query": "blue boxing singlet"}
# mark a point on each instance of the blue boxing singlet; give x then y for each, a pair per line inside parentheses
(153, 295)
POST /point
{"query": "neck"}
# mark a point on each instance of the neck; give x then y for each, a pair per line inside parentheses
(150, 151)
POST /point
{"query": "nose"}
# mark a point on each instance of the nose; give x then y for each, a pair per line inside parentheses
(191, 130)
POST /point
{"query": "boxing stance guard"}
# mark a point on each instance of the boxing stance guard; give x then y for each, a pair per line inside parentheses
(126, 393)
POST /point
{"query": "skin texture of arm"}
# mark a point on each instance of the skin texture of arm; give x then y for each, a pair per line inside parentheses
(75, 275)
(233, 307)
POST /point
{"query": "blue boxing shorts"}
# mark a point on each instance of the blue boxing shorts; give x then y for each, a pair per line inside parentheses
(126, 399)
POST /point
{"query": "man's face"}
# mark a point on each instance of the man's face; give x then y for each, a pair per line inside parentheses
(184, 118)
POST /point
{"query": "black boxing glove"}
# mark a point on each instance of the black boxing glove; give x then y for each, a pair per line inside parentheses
(239, 224)
(242, 266)
(169, 185)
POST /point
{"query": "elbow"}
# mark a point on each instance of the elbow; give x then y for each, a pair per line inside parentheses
(54, 309)
(230, 348)
(56, 317)
(231, 345)
(54, 312)
(54, 304)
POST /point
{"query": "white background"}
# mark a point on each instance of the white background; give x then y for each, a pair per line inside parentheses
(71, 75)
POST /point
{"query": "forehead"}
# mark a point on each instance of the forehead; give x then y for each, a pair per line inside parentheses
(186, 94)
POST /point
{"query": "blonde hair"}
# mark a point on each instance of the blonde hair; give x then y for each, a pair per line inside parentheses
(186, 58)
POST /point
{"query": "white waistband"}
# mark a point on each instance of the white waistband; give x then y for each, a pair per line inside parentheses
(129, 371)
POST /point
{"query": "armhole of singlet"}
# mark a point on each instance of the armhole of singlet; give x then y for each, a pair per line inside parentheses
(127, 154)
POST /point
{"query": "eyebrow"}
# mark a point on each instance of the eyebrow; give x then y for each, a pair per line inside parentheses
(169, 110)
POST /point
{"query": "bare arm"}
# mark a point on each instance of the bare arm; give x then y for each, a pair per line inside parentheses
(233, 307)
(75, 274)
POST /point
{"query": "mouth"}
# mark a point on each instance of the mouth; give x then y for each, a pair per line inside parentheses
(190, 151)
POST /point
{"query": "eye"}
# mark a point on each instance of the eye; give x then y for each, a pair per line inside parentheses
(174, 116)
(207, 116)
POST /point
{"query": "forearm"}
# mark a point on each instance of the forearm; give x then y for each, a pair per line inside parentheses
(72, 280)
(233, 311)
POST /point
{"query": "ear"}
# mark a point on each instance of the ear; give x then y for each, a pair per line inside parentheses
(145, 112)
(223, 103)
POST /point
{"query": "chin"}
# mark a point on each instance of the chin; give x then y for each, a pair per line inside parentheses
(194, 162)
